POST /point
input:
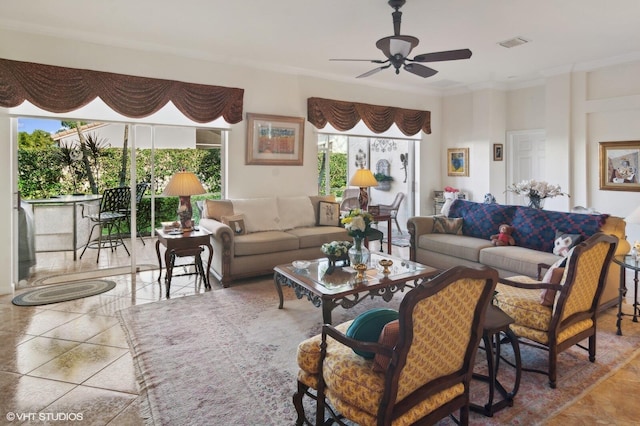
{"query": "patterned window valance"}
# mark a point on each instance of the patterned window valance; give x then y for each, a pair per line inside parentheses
(60, 90)
(345, 115)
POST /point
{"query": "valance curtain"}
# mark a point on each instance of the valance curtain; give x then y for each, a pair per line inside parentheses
(345, 115)
(60, 90)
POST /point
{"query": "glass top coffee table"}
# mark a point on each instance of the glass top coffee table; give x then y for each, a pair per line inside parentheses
(328, 287)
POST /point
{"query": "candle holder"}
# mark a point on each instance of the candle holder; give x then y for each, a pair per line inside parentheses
(360, 268)
(386, 263)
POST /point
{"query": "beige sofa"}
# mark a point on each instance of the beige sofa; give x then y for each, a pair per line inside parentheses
(261, 233)
(534, 235)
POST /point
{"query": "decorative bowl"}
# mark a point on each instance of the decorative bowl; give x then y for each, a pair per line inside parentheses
(300, 264)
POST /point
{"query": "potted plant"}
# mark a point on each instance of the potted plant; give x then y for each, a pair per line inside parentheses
(384, 181)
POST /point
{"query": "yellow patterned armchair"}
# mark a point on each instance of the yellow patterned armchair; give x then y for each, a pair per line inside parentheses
(421, 374)
(556, 316)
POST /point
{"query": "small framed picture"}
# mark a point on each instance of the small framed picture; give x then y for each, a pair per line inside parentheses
(374, 210)
(438, 195)
(458, 161)
(498, 151)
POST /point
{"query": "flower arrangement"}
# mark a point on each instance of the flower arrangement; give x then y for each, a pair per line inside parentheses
(357, 223)
(337, 249)
(534, 188)
(451, 189)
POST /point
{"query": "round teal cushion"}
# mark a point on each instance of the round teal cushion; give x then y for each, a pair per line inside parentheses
(368, 325)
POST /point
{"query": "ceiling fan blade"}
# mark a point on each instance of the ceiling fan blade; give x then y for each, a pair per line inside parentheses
(447, 55)
(375, 61)
(420, 70)
(373, 71)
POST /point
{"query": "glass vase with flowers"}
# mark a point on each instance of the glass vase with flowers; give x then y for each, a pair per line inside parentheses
(536, 191)
(358, 224)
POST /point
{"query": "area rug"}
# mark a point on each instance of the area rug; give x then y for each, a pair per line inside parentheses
(229, 357)
(63, 292)
(85, 275)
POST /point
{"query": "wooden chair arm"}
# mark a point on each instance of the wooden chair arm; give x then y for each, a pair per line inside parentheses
(530, 285)
(375, 347)
(542, 266)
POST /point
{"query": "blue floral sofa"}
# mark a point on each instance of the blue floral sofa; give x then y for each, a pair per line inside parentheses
(463, 238)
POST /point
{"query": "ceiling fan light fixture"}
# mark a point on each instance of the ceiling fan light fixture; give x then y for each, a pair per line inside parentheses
(397, 45)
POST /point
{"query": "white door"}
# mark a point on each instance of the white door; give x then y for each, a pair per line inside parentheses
(526, 159)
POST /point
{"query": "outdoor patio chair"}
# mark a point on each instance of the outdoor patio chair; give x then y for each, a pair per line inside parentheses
(555, 316)
(110, 218)
(350, 200)
(392, 209)
(141, 189)
(417, 372)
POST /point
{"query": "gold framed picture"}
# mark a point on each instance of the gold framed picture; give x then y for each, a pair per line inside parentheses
(274, 140)
(458, 161)
(619, 163)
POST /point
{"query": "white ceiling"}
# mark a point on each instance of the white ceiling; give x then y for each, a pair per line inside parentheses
(300, 36)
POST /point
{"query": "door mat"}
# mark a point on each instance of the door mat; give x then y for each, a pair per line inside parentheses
(63, 292)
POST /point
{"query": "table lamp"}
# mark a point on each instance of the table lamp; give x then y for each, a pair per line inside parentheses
(363, 178)
(184, 184)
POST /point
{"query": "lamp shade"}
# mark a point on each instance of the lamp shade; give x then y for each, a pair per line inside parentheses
(363, 178)
(634, 217)
(184, 183)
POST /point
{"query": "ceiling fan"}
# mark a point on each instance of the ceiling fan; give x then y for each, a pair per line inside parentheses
(397, 48)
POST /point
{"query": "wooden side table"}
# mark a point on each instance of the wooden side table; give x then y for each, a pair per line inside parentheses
(495, 323)
(184, 244)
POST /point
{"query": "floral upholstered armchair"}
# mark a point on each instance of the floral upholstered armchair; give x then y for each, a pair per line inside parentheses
(413, 374)
(555, 314)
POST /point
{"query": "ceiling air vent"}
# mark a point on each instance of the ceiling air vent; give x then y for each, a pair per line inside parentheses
(513, 42)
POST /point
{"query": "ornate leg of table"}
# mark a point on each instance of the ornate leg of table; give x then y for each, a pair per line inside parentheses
(200, 268)
(389, 230)
(492, 354)
(622, 290)
(327, 307)
(159, 259)
(635, 296)
(208, 283)
(276, 281)
(170, 259)
(518, 362)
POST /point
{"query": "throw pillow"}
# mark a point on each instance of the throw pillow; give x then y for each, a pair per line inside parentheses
(296, 212)
(329, 214)
(554, 275)
(260, 214)
(445, 225)
(236, 223)
(388, 337)
(481, 220)
(565, 242)
(215, 209)
(368, 325)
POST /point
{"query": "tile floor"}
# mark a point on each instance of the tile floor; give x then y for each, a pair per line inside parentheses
(72, 359)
